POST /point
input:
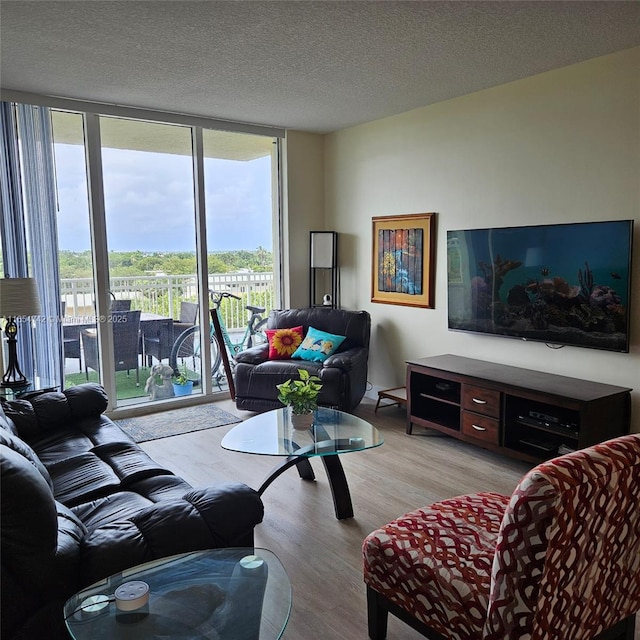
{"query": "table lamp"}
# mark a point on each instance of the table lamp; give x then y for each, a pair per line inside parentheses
(18, 298)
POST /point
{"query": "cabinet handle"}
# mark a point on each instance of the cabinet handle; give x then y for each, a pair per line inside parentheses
(478, 427)
(478, 401)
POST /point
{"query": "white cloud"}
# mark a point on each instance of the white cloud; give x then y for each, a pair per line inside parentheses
(149, 201)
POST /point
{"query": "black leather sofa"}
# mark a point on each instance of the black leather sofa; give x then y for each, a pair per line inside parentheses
(81, 501)
(343, 374)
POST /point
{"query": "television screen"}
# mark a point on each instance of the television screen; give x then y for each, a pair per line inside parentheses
(563, 284)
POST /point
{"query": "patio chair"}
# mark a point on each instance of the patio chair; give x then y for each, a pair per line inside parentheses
(126, 340)
(120, 305)
(188, 317)
(71, 338)
(157, 339)
(71, 343)
(559, 558)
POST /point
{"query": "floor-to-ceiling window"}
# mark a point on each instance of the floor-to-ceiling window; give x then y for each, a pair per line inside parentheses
(75, 260)
(167, 233)
(147, 173)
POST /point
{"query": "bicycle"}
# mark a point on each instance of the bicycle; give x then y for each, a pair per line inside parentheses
(186, 351)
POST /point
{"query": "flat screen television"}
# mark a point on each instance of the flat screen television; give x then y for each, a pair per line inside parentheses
(563, 284)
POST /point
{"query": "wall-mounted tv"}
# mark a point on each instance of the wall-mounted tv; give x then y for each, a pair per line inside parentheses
(563, 284)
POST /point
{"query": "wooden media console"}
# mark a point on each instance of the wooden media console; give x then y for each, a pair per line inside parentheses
(529, 415)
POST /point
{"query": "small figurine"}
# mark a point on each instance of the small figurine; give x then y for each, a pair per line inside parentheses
(165, 389)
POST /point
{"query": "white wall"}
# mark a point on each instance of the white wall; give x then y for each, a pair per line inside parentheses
(563, 146)
(303, 202)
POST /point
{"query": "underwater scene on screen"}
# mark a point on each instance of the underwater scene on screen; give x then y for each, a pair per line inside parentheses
(561, 284)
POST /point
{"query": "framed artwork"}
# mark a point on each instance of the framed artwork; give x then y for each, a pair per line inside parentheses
(403, 260)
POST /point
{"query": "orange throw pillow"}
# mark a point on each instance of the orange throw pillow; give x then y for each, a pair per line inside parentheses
(283, 342)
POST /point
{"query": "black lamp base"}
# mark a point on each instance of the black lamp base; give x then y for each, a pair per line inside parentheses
(13, 377)
(15, 384)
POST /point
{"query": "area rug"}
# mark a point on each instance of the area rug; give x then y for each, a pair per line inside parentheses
(176, 422)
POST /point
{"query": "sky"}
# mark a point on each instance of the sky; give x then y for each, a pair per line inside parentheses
(149, 201)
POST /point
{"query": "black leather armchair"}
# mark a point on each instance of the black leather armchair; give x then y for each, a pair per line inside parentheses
(343, 375)
(80, 501)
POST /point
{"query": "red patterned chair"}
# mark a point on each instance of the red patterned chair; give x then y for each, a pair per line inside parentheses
(558, 560)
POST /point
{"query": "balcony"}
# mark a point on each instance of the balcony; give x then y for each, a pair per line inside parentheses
(162, 295)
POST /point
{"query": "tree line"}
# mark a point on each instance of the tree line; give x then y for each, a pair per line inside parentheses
(78, 264)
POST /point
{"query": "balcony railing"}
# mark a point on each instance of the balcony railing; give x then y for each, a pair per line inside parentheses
(162, 294)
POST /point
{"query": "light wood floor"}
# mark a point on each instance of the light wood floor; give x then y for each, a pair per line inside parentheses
(322, 555)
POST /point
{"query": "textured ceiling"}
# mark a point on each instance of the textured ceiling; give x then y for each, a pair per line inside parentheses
(307, 65)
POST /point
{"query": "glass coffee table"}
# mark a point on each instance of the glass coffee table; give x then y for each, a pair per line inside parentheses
(333, 433)
(217, 594)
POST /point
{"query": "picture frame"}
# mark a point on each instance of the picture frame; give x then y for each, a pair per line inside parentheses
(403, 260)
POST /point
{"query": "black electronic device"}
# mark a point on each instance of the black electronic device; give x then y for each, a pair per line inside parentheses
(550, 423)
(544, 417)
(563, 284)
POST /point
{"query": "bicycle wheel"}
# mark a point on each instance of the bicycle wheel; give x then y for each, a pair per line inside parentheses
(257, 335)
(187, 351)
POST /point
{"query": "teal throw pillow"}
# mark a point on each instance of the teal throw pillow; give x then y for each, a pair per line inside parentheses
(318, 345)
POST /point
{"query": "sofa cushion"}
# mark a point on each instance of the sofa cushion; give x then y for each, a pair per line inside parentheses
(129, 462)
(355, 325)
(283, 342)
(45, 412)
(5, 422)
(20, 446)
(318, 345)
(29, 517)
(83, 477)
(113, 508)
(264, 377)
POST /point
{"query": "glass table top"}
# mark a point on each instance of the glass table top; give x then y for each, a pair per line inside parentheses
(221, 594)
(37, 385)
(271, 433)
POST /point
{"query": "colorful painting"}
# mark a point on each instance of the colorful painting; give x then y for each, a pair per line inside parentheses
(403, 248)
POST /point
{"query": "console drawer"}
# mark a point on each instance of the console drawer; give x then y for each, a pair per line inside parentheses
(480, 400)
(480, 427)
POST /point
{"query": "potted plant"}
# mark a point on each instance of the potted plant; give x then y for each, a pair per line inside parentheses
(302, 396)
(182, 386)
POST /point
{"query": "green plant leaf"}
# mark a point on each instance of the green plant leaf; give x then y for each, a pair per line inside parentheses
(301, 395)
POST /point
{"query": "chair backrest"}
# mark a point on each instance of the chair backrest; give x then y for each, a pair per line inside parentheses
(126, 337)
(568, 552)
(188, 312)
(158, 337)
(355, 325)
(120, 305)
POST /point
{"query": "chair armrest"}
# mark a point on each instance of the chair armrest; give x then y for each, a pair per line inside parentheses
(255, 355)
(179, 327)
(347, 360)
(207, 518)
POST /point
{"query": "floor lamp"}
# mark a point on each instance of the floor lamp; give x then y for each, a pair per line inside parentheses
(18, 298)
(323, 256)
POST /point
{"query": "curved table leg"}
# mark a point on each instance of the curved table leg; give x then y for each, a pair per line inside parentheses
(304, 469)
(339, 487)
(335, 474)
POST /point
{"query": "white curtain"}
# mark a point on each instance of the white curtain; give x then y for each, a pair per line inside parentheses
(29, 230)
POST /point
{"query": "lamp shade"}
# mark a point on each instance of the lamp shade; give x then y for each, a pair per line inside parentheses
(19, 297)
(323, 249)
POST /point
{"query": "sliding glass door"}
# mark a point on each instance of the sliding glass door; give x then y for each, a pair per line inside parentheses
(239, 172)
(147, 171)
(152, 217)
